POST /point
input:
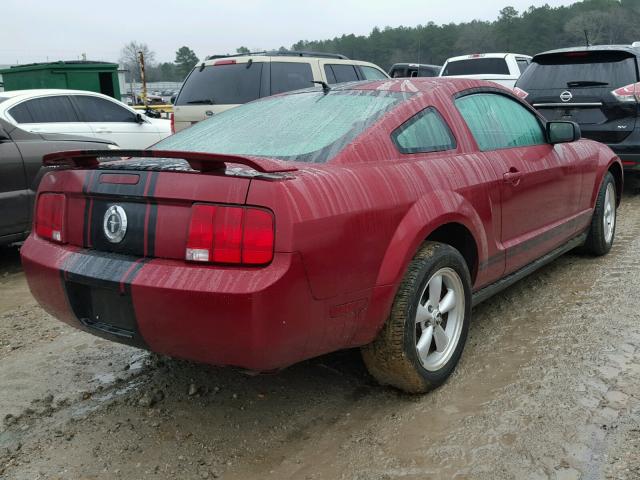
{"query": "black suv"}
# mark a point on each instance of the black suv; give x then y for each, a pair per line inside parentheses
(596, 87)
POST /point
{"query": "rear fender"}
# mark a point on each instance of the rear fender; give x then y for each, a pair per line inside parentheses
(426, 215)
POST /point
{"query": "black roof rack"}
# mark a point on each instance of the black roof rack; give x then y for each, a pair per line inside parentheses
(284, 53)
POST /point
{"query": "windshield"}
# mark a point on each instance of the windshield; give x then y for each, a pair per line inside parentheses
(307, 127)
(476, 66)
(579, 69)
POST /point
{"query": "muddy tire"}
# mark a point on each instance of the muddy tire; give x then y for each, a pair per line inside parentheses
(423, 338)
(603, 224)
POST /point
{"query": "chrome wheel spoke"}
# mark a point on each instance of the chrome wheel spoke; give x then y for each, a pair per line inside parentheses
(435, 289)
(423, 315)
(440, 336)
(448, 302)
(425, 342)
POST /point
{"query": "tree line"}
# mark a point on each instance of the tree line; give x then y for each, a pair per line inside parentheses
(529, 32)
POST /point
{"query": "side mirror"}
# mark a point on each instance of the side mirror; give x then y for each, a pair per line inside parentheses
(563, 132)
(139, 118)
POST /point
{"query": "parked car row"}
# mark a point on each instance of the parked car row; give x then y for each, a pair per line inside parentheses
(361, 211)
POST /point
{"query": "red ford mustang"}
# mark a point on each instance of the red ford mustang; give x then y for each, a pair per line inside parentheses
(368, 215)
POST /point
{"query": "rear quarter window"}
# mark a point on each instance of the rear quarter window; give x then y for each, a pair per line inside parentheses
(222, 85)
(424, 132)
(477, 66)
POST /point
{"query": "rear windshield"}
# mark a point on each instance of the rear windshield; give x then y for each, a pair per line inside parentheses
(307, 127)
(222, 84)
(580, 69)
(476, 66)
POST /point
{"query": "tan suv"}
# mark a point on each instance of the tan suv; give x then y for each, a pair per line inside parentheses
(223, 82)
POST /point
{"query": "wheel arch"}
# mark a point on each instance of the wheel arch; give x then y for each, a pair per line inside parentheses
(615, 168)
(441, 216)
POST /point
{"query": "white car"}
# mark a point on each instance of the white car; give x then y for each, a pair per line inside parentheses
(82, 113)
(502, 68)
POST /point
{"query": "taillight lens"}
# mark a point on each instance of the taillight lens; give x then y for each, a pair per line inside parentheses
(50, 216)
(518, 92)
(173, 122)
(231, 235)
(628, 93)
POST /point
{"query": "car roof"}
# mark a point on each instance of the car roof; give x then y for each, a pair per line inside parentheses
(40, 92)
(412, 85)
(592, 48)
(474, 56)
(415, 65)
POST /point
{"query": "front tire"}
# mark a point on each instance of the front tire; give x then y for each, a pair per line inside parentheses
(423, 338)
(603, 224)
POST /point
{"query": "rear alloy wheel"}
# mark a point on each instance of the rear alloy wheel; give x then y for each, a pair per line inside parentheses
(421, 342)
(603, 224)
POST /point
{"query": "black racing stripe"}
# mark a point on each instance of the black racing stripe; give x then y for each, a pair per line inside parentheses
(118, 189)
(153, 182)
(127, 280)
(151, 229)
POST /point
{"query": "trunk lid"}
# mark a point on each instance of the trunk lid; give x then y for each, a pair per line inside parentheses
(142, 206)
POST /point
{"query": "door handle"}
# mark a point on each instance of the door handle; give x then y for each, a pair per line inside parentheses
(102, 130)
(513, 177)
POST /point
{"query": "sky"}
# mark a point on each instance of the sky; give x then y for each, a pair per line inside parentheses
(38, 31)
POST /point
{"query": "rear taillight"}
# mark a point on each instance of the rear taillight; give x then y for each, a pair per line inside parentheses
(172, 118)
(50, 216)
(518, 92)
(231, 235)
(628, 93)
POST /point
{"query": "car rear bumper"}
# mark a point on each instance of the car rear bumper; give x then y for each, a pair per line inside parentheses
(259, 319)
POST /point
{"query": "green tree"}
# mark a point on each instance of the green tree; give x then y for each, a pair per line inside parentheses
(185, 60)
(242, 50)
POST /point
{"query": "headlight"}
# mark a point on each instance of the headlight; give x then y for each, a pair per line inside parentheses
(113, 147)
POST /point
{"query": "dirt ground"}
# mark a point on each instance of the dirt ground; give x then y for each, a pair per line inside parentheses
(548, 387)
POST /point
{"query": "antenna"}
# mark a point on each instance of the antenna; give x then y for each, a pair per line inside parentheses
(586, 37)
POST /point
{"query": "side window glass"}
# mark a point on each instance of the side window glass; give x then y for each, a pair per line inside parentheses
(343, 73)
(523, 63)
(95, 109)
(371, 73)
(20, 113)
(45, 110)
(424, 132)
(328, 72)
(497, 121)
(290, 76)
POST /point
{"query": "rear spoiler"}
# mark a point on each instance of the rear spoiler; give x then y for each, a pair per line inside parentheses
(203, 162)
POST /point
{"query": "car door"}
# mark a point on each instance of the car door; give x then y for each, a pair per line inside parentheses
(14, 200)
(541, 187)
(51, 114)
(110, 121)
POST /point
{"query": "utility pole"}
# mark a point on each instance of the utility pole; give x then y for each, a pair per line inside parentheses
(144, 81)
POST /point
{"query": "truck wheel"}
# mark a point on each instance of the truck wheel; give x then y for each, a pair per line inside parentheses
(603, 224)
(422, 340)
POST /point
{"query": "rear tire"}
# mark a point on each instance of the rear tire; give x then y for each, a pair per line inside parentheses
(423, 338)
(603, 224)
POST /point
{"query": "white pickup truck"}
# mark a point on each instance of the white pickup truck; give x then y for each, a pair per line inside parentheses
(502, 68)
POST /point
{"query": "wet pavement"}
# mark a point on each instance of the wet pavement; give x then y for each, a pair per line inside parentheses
(548, 387)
